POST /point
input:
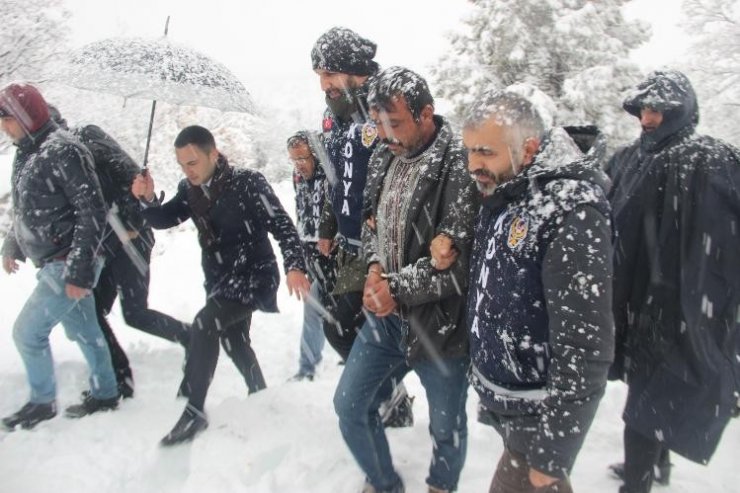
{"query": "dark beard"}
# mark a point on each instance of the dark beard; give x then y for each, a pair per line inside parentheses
(344, 106)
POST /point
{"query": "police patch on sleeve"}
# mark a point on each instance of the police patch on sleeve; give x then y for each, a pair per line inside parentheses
(369, 134)
(517, 231)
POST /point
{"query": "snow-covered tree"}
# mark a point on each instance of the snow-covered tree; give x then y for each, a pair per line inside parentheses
(714, 63)
(33, 35)
(574, 50)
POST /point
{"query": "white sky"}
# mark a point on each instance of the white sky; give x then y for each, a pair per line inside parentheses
(267, 46)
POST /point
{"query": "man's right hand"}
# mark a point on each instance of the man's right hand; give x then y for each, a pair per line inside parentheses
(143, 187)
(10, 265)
(325, 246)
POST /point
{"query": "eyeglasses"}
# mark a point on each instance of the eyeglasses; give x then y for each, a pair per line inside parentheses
(301, 159)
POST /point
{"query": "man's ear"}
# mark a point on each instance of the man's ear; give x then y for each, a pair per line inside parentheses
(427, 113)
(213, 155)
(531, 146)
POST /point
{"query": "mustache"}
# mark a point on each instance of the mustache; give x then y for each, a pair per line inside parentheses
(486, 174)
(388, 141)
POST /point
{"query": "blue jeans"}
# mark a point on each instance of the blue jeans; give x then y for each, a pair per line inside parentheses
(47, 306)
(312, 335)
(378, 356)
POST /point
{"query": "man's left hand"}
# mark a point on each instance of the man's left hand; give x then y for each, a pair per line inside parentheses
(297, 284)
(75, 292)
(540, 479)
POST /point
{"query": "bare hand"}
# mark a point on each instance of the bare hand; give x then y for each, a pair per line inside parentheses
(325, 246)
(540, 479)
(376, 297)
(75, 292)
(143, 187)
(297, 284)
(443, 252)
(10, 265)
(371, 223)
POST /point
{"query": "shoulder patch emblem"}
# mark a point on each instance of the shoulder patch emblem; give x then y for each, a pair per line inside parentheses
(327, 124)
(517, 231)
(369, 134)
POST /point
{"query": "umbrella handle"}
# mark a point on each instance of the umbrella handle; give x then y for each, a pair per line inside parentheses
(149, 134)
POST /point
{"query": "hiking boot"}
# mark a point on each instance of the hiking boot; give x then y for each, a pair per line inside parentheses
(30, 415)
(397, 412)
(398, 488)
(190, 424)
(661, 472)
(299, 377)
(90, 405)
(125, 380)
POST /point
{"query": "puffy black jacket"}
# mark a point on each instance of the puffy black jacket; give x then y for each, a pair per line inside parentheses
(432, 301)
(58, 209)
(233, 220)
(676, 205)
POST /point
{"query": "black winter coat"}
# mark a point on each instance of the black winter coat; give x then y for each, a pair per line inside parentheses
(444, 201)
(542, 334)
(233, 219)
(58, 208)
(676, 203)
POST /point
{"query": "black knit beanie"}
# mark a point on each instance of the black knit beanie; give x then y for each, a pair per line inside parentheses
(342, 50)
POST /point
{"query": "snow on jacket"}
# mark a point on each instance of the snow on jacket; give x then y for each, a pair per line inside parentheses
(539, 304)
(309, 202)
(676, 203)
(58, 208)
(233, 218)
(443, 201)
(349, 145)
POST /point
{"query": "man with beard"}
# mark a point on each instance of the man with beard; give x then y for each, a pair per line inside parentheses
(676, 208)
(343, 60)
(233, 209)
(417, 189)
(539, 306)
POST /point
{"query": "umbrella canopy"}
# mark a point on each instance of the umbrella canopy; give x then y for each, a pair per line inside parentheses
(155, 69)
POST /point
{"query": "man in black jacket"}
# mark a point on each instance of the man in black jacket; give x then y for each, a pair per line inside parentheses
(676, 207)
(417, 189)
(343, 60)
(233, 210)
(309, 184)
(539, 304)
(127, 247)
(58, 220)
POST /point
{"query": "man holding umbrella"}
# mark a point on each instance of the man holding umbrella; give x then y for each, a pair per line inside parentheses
(233, 210)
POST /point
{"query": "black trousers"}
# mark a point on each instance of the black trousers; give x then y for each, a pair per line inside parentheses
(121, 277)
(349, 317)
(228, 322)
(641, 454)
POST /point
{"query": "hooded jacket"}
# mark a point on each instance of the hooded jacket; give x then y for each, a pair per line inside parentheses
(233, 218)
(58, 209)
(539, 304)
(676, 203)
(432, 302)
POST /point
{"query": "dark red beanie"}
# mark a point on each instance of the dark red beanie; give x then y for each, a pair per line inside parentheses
(26, 104)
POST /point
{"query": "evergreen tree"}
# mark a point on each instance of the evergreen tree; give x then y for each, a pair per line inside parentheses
(573, 50)
(33, 35)
(714, 63)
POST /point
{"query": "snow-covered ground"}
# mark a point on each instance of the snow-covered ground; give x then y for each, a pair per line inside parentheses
(284, 439)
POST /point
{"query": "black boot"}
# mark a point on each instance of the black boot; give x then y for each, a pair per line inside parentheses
(30, 415)
(125, 379)
(90, 405)
(397, 412)
(190, 424)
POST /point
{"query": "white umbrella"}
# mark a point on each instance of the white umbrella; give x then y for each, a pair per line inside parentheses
(155, 69)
